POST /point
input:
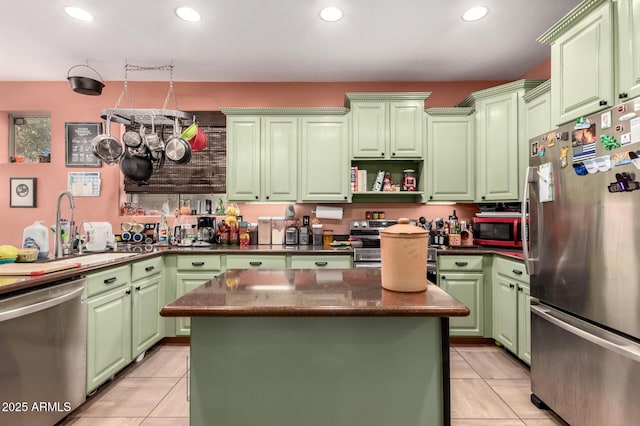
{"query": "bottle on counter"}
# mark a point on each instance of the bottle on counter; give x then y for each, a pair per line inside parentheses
(163, 232)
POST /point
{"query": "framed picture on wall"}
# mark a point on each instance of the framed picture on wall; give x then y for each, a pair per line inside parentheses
(22, 192)
(78, 146)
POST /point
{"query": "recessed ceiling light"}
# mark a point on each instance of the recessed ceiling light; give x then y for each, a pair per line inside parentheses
(475, 13)
(331, 14)
(188, 14)
(76, 12)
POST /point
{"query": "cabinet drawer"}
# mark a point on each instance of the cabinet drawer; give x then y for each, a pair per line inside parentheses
(510, 269)
(199, 263)
(459, 263)
(108, 280)
(324, 262)
(263, 262)
(146, 268)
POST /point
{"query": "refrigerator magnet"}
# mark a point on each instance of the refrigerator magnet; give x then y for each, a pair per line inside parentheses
(542, 151)
(563, 156)
(625, 138)
(609, 142)
(591, 166)
(605, 120)
(580, 169)
(534, 149)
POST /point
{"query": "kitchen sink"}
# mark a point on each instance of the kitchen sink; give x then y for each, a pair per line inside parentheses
(97, 258)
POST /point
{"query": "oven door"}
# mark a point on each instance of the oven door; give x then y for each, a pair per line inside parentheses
(367, 265)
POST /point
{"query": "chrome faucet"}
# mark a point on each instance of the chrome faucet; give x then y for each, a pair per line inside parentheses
(58, 252)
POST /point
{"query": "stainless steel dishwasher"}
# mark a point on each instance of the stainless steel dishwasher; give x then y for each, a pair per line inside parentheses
(43, 336)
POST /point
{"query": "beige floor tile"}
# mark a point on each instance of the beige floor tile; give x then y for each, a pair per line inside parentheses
(474, 399)
(175, 421)
(485, 422)
(554, 421)
(174, 347)
(460, 369)
(495, 364)
(517, 395)
(102, 421)
(129, 397)
(476, 347)
(161, 363)
(175, 404)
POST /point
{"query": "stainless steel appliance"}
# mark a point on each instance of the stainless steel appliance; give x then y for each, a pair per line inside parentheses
(368, 231)
(584, 264)
(206, 229)
(43, 337)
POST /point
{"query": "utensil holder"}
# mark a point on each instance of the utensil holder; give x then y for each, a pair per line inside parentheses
(454, 239)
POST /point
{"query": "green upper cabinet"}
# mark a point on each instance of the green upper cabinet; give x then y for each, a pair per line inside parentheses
(387, 125)
(538, 111)
(324, 160)
(582, 61)
(450, 154)
(628, 41)
(501, 142)
(280, 158)
(243, 158)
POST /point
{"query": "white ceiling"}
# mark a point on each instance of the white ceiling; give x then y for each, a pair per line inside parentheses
(277, 40)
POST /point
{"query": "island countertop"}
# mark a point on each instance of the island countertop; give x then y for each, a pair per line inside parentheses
(309, 292)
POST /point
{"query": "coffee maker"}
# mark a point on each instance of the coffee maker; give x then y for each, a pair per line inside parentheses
(207, 229)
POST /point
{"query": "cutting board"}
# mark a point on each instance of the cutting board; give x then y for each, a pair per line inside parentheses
(36, 269)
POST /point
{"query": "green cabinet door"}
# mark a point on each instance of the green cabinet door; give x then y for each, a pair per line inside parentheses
(497, 153)
(505, 312)
(628, 61)
(280, 158)
(108, 335)
(185, 282)
(468, 289)
(243, 158)
(324, 161)
(406, 135)
(582, 67)
(369, 129)
(146, 324)
(538, 112)
(524, 323)
(450, 155)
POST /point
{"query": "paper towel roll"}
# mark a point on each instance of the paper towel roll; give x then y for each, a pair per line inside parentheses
(326, 212)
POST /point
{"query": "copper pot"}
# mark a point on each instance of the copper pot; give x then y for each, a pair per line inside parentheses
(404, 257)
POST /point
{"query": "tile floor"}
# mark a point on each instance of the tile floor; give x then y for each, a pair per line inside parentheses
(488, 387)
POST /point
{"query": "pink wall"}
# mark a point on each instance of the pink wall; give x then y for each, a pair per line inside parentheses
(67, 106)
(542, 70)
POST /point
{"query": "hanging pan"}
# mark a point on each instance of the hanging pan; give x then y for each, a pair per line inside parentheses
(131, 138)
(106, 147)
(85, 85)
(177, 149)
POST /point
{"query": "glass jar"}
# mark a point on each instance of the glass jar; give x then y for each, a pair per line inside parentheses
(264, 230)
(243, 234)
(234, 236)
(277, 230)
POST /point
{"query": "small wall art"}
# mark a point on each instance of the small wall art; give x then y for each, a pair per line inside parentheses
(22, 192)
(79, 149)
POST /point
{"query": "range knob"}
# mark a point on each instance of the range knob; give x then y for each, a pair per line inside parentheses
(364, 224)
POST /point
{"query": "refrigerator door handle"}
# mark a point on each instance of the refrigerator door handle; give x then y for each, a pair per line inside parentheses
(528, 178)
(602, 338)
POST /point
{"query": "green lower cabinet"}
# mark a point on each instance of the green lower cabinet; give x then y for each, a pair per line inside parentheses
(321, 262)
(108, 336)
(468, 289)
(505, 312)
(147, 326)
(185, 282)
(248, 261)
(524, 323)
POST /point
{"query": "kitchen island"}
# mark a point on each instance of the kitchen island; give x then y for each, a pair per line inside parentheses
(316, 347)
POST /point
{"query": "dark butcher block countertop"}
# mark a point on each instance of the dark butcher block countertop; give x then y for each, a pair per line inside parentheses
(309, 292)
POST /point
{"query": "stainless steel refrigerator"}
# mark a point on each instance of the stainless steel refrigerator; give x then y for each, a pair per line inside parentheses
(584, 261)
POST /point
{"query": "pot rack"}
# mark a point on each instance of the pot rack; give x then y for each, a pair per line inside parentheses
(147, 116)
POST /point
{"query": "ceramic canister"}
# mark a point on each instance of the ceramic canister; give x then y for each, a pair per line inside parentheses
(403, 250)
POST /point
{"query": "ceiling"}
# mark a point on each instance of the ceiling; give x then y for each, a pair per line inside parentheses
(277, 40)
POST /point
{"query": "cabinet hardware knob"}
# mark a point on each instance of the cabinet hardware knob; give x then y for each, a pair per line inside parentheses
(138, 287)
(128, 292)
(321, 263)
(149, 268)
(256, 197)
(483, 197)
(267, 197)
(197, 263)
(345, 197)
(255, 263)
(623, 95)
(444, 278)
(382, 154)
(515, 271)
(110, 280)
(431, 197)
(603, 103)
(519, 288)
(462, 263)
(511, 285)
(393, 153)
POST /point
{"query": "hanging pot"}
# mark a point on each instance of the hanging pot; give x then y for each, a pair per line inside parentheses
(131, 138)
(85, 85)
(177, 149)
(199, 141)
(106, 147)
(136, 168)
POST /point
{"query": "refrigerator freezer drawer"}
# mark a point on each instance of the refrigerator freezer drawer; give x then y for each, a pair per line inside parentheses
(585, 374)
